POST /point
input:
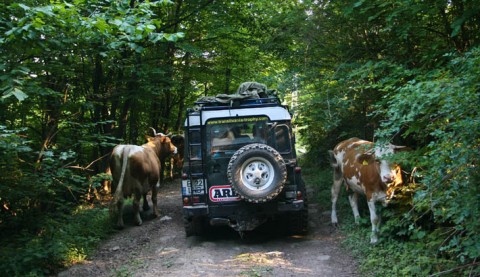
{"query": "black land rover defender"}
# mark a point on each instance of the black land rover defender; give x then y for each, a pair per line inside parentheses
(240, 167)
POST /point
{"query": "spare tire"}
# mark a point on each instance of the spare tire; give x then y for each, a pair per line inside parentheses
(257, 172)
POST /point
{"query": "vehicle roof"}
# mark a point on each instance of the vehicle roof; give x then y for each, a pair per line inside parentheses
(260, 107)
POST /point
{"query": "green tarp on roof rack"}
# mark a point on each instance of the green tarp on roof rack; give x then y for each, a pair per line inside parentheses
(247, 90)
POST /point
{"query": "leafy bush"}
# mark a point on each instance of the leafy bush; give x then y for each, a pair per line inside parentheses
(440, 109)
(320, 182)
(392, 257)
(59, 242)
(435, 220)
(43, 222)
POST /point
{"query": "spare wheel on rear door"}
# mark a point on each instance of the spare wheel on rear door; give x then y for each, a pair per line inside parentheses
(257, 172)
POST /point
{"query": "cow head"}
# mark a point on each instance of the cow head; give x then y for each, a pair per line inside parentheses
(397, 182)
(379, 155)
(162, 145)
(167, 145)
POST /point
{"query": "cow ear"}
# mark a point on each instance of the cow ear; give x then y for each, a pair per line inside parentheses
(149, 138)
(365, 159)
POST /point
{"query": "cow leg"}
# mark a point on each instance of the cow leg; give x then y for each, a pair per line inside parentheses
(145, 206)
(375, 220)
(172, 161)
(337, 185)
(156, 213)
(136, 209)
(353, 199)
(162, 171)
(120, 213)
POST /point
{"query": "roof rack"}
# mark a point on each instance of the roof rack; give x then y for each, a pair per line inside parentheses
(237, 103)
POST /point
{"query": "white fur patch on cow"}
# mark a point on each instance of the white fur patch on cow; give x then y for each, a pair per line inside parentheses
(379, 196)
(117, 151)
(132, 149)
(135, 149)
(340, 156)
(385, 171)
(355, 184)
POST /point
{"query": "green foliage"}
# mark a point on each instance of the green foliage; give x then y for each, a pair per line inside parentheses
(392, 257)
(321, 182)
(37, 200)
(410, 242)
(407, 72)
(79, 77)
(440, 110)
(12, 146)
(59, 242)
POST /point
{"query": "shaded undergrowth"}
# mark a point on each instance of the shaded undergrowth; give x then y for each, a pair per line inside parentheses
(407, 247)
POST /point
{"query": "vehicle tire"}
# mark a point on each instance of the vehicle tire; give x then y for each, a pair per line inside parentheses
(194, 226)
(257, 172)
(297, 222)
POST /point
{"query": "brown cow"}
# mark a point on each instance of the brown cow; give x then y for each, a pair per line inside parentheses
(362, 166)
(176, 160)
(136, 170)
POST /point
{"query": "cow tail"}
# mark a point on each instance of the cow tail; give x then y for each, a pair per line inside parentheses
(119, 190)
(333, 160)
(337, 170)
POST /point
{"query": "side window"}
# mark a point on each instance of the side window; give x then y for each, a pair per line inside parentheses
(259, 132)
(282, 139)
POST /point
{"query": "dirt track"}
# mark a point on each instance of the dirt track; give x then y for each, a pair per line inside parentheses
(159, 248)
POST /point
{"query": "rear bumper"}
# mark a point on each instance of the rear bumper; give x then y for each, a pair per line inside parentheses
(198, 210)
(294, 206)
(243, 208)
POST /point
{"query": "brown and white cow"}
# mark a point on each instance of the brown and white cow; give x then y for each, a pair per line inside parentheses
(362, 166)
(136, 171)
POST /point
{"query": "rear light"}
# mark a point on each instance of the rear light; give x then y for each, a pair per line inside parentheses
(196, 199)
(298, 169)
(186, 201)
(184, 176)
(299, 195)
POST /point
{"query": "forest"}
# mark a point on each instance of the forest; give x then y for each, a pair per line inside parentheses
(80, 76)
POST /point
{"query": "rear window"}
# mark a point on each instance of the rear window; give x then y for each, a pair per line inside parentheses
(231, 134)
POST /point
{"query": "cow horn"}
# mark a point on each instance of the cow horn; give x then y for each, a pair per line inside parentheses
(398, 147)
(370, 151)
(154, 131)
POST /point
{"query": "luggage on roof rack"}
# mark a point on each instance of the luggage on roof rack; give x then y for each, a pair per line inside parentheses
(248, 93)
